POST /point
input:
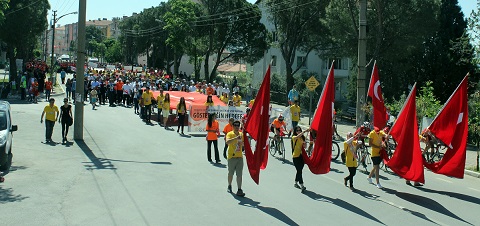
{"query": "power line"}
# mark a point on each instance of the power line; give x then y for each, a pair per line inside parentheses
(14, 11)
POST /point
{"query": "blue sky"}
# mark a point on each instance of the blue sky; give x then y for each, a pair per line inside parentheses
(118, 8)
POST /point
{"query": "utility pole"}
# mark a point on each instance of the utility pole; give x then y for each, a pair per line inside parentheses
(362, 61)
(53, 48)
(79, 88)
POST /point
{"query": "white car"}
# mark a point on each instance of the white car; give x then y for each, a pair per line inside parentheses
(6, 135)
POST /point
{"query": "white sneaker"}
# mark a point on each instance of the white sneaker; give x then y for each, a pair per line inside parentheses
(369, 180)
(379, 186)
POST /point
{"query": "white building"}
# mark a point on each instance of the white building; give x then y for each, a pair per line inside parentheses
(314, 63)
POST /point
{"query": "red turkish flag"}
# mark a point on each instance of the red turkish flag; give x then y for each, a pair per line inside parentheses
(257, 126)
(319, 161)
(380, 116)
(451, 127)
(407, 160)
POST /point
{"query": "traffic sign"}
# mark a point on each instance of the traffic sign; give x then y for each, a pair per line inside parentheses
(312, 83)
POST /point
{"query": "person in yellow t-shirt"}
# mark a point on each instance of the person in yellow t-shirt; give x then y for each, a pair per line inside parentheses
(50, 118)
(375, 140)
(237, 99)
(298, 143)
(350, 148)
(295, 114)
(224, 98)
(166, 109)
(160, 98)
(209, 102)
(181, 111)
(147, 97)
(235, 158)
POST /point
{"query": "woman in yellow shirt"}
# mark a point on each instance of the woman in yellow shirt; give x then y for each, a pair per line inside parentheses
(298, 143)
(181, 110)
(375, 140)
(166, 109)
(224, 98)
(209, 102)
(350, 148)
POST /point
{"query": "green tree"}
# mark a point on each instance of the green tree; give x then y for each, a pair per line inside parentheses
(396, 31)
(447, 55)
(22, 26)
(427, 104)
(93, 36)
(3, 7)
(179, 21)
(230, 34)
(299, 26)
(114, 52)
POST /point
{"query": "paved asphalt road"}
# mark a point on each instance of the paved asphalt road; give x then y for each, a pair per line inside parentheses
(129, 173)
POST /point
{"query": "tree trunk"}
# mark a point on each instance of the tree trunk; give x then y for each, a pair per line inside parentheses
(13, 64)
(290, 80)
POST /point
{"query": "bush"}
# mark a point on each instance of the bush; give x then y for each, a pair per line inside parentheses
(278, 87)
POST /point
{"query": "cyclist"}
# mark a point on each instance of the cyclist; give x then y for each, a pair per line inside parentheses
(276, 127)
(426, 137)
(362, 132)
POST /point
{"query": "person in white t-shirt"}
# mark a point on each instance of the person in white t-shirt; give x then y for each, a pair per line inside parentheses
(127, 92)
(219, 90)
(227, 91)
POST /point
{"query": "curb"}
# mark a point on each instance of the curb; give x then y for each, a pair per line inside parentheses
(472, 173)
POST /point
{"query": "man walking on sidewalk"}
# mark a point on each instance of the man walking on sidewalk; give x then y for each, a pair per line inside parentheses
(50, 118)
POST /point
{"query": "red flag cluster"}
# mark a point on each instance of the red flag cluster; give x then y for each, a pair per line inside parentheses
(450, 127)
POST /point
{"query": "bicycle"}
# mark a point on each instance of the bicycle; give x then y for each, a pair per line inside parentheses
(389, 149)
(277, 145)
(437, 155)
(364, 156)
(335, 148)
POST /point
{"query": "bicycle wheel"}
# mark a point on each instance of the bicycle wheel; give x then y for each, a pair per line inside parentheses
(335, 150)
(272, 149)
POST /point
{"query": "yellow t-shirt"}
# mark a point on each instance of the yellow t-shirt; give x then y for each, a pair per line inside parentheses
(50, 112)
(298, 143)
(209, 104)
(147, 98)
(160, 101)
(234, 150)
(236, 100)
(224, 99)
(180, 110)
(376, 139)
(350, 161)
(166, 106)
(295, 111)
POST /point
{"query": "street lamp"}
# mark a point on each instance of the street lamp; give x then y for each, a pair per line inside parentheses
(54, 21)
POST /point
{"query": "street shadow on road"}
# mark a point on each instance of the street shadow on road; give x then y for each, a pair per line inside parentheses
(426, 203)
(342, 204)
(117, 160)
(185, 135)
(13, 169)
(279, 215)
(463, 197)
(336, 170)
(97, 163)
(7, 195)
(219, 165)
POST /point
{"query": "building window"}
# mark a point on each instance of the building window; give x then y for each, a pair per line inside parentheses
(336, 65)
(274, 61)
(274, 36)
(301, 62)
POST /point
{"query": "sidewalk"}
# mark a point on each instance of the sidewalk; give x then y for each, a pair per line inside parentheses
(344, 126)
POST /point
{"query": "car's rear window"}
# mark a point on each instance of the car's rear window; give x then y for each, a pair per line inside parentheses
(3, 120)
